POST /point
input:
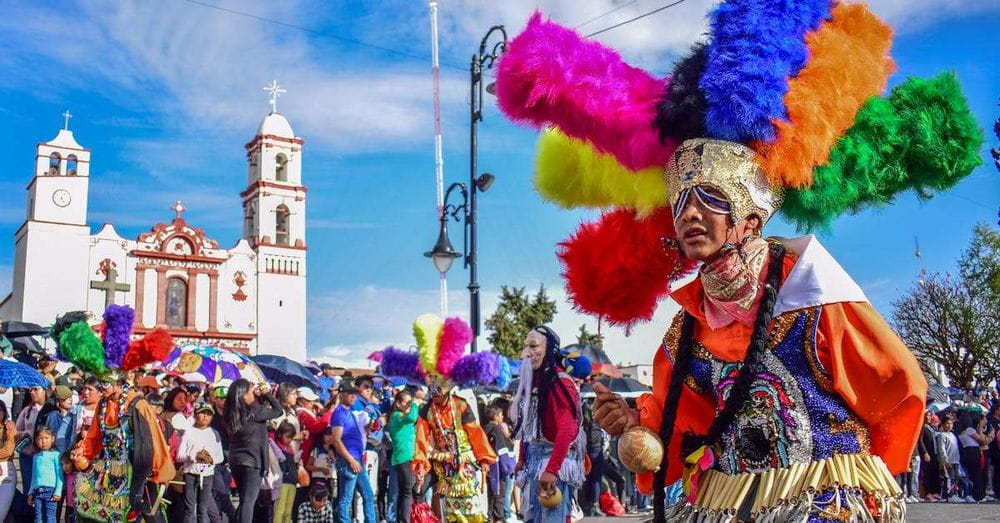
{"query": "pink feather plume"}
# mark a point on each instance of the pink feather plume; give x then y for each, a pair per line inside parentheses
(455, 335)
(552, 75)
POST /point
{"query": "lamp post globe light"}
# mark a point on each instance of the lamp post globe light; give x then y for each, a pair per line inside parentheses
(443, 254)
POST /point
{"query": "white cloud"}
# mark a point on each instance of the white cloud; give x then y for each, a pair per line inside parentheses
(350, 324)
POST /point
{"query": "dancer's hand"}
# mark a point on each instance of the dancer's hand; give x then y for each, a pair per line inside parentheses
(31, 501)
(611, 412)
(547, 484)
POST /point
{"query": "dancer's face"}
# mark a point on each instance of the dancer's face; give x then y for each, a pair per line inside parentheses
(534, 348)
(702, 232)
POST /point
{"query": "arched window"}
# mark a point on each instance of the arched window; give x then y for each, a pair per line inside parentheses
(248, 217)
(54, 161)
(71, 165)
(176, 303)
(281, 224)
(281, 168)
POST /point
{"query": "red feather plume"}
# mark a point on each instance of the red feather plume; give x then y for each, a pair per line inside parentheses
(617, 268)
(155, 346)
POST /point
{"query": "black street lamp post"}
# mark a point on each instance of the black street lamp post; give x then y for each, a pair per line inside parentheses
(443, 254)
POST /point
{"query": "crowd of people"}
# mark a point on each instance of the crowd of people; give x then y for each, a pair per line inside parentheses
(356, 449)
(957, 457)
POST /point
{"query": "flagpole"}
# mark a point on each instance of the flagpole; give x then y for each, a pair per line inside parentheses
(438, 156)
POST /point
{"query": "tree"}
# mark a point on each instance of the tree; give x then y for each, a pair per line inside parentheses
(586, 337)
(515, 315)
(955, 321)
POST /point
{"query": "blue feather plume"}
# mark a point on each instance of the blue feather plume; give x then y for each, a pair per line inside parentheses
(756, 46)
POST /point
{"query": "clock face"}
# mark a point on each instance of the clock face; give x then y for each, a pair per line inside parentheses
(61, 198)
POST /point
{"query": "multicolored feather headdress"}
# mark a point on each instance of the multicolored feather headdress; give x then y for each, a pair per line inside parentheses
(440, 357)
(787, 94)
(114, 350)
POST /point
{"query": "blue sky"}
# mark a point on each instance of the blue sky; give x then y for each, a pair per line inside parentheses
(166, 93)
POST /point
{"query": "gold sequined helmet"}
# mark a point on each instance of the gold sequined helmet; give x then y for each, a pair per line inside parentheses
(729, 168)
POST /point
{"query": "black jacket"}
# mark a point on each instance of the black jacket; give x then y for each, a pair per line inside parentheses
(248, 446)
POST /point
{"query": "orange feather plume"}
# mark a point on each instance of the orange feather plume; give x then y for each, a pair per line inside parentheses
(848, 64)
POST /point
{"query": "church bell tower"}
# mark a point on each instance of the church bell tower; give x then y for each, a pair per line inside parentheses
(51, 252)
(274, 211)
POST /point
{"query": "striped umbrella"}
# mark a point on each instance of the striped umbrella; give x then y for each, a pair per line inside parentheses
(213, 363)
(14, 374)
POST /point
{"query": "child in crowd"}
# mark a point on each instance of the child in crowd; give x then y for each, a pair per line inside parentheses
(319, 509)
(500, 472)
(283, 437)
(200, 449)
(948, 449)
(322, 464)
(69, 479)
(62, 421)
(46, 477)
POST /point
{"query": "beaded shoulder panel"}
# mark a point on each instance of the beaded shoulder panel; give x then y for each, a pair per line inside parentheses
(793, 414)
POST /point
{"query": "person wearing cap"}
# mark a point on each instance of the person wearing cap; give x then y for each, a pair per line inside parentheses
(309, 421)
(200, 450)
(327, 382)
(147, 384)
(62, 421)
(349, 442)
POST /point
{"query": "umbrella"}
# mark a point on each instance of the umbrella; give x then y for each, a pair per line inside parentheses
(214, 363)
(625, 387)
(16, 329)
(281, 369)
(27, 350)
(599, 360)
(16, 374)
(313, 368)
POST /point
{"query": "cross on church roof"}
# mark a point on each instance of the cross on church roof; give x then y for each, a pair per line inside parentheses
(66, 116)
(275, 90)
(110, 286)
(178, 208)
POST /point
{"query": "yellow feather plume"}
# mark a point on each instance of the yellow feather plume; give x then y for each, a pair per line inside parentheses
(427, 331)
(571, 173)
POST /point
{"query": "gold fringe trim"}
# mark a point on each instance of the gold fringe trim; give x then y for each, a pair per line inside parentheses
(726, 493)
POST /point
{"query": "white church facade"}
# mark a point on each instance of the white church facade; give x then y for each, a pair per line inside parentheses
(250, 297)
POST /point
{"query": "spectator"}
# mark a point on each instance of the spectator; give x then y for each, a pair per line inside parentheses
(930, 461)
(326, 381)
(500, 472)
(8, 478)
(247, 411)
(62, 421)
(69, 494)
(596, 441)
(47, 367)
(319, 509)
(175, 407)
(71, 379)
(403, 432)
(349, 442)
(91, 397)
(974, 439)
(993, 452)
(283, 437)
(948, 450)
(288, 397)
(322, 461)
(367, 403)
(223, 476)
(200, 449)
(311, 424)
(25, 424)
(46, 477)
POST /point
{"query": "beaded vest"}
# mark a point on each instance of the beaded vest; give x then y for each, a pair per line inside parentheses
(793, 415)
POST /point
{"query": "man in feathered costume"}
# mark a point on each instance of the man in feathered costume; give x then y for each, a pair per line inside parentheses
(124, 460)
(451, 443)
(779, 393)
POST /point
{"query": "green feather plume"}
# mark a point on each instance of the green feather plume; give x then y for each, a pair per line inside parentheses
(79, 345)
(922, 137)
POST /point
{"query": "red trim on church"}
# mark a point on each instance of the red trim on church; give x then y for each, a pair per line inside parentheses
(257, 139)
(39, 144)
(266, 242)
(177, 257)
(274, 185)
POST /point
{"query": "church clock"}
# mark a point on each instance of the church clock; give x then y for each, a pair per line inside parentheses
(61, 198)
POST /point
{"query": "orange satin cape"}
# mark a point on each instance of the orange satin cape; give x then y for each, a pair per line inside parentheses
(163, 468)
(477, 436)
(871, 369)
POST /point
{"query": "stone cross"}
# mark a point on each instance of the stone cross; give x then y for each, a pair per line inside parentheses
(110, 285)
(178, 209)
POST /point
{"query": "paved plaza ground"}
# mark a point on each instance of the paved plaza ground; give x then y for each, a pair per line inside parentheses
(916, 513)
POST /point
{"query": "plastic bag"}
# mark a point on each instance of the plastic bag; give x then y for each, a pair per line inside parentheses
(610, 505)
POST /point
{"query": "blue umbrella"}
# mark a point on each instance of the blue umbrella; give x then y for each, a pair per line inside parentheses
(280, 369)
(14, 374)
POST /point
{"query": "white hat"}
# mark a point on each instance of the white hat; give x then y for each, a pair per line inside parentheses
(307, 394)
